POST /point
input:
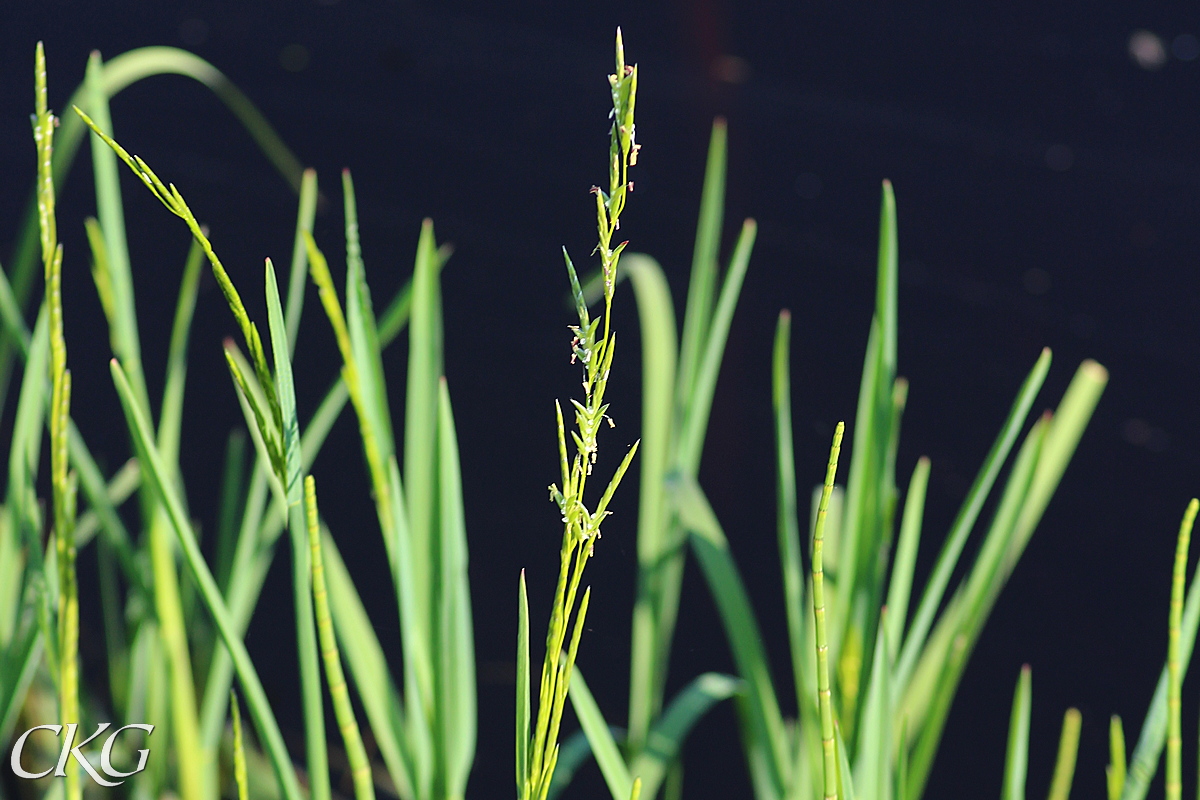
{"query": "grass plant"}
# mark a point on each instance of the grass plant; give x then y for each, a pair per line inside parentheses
(876, 659)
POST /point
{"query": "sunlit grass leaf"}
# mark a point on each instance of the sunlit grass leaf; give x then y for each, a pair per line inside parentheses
(264, 719)
(603, 745)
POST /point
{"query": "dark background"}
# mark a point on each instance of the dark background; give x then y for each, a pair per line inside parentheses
(1047, 186)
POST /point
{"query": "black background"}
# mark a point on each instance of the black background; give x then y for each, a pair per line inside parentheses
(1047, 192)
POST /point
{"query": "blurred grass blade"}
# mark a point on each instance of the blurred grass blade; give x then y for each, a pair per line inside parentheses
(312, 701)
(1115, 771)
(1068, 750)
(523, 690)
(671, 729)
(660, 557)
(703, 280)
(931, 598)
(368, 668)
(604, 747)
(1174, 787)
(699, 401)
(420, 440)
(904, 565)
(239, 752)
(1016, 760)
(761, 708)
(455, 635)
(260, 709)
(787, 508)
(356, 754)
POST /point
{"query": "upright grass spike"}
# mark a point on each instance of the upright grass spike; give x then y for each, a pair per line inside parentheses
(594, 345)
(62, 483)
(824, 695)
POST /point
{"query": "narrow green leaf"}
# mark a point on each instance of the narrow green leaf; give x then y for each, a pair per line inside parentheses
(900, 584)
(660, 555)
(766, 738)
(1115, 771)
(965, 520)
(671, 729)
(699, 399)
(1068, 749)
(604, 747)
(1174, 787)
(456, 638)
(260, 709)
(368, 668)
(704, 260)
(523, 699)
(1016, 760)
(239, 752)
(420, 432)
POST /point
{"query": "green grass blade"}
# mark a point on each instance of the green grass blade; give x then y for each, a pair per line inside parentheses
(1174, 789)
(239, 752)
(1016, 760)
(604, 747)
(110, 211)
(900, 584)
(699, 400)
(356, 754)
(420, 432)
(660, 556)
(766, 736)
(170, 420)
(298, 273)
(1115, 771)
(671, 729)
(523, 690)
(368, 668)
(260, 709)
(786, 506)
(873, 765)
(456, 638)
(928, 698)
(1068, 749)
(965, 520)
(302, 589)
(704, 261)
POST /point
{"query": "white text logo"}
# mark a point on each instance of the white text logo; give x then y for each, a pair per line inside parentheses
(68, 751)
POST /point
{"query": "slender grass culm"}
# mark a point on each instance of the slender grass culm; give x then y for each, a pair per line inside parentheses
(66, 649)
(537, 750)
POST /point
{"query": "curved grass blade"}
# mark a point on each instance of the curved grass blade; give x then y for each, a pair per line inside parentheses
(671, 729)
